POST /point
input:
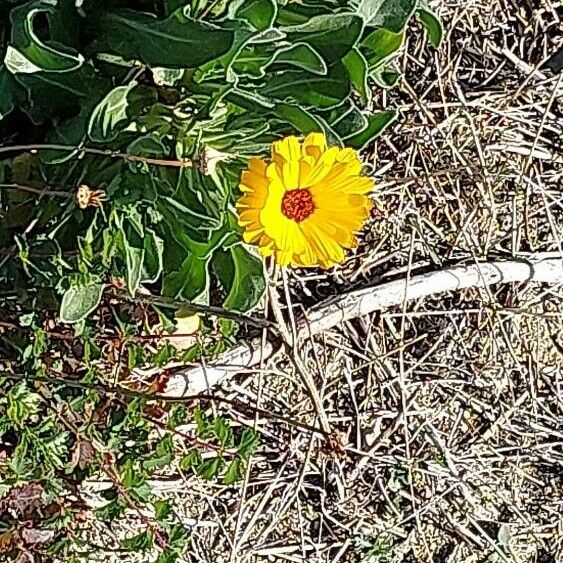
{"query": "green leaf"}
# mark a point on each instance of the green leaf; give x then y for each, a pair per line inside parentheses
(357, 67)
(305, 122)
(379, 45)
(166, 76)
(111, 511)
(11, 94)
(300, 55)
(194, 216)
(258, 13)
(153, 262)
(79, 301)
(178, 537)
(223, 432)
(162, 455)
(348, 120)
(140, 542)
(376, 124)
(167, 556)
(189, 281)
(385, 77)
(432, 24)
(110, 114)
(175, 42)
(310, 89)
(210, 468)
(234, 472)
(204, 425)
(32, 53)
(54, 75)
(21, 403)
(242, 276)
(392, 15)
(332, 35)
(141, 250)
(134, 258)
(162, 509)
(248, 443)
(135, 481)
(70, 132)
(193, 459)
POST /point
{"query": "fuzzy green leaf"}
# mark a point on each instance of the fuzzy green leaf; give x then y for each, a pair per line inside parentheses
(357, 67)
(432, 24)
(381, 44)
(189, 281)
(300, 55)
(376, 124)
(310, 89)
(332, 35)
(392, 15)
(258, 13)
(79, 301)
(110, 114)
(242, 276)
(175, 42)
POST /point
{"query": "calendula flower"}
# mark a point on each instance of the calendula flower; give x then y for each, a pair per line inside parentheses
(305, 205)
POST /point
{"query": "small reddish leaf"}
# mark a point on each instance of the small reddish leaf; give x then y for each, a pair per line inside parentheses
(83, 453)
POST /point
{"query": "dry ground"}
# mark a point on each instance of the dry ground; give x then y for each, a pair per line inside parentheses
(449, 410)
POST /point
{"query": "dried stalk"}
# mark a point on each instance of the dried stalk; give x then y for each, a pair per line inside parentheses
(540, 268)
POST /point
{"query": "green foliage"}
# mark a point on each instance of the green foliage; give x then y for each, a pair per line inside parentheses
(124, 127)
(165, 85)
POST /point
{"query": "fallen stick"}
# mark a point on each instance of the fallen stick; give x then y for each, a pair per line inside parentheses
(543, 268)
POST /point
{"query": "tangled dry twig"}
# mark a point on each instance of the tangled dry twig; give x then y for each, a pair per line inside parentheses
(539, 268)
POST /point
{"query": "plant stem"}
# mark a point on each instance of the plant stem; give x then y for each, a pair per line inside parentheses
(185, 163)
(169, 303)
(131, 393)
(39, 191)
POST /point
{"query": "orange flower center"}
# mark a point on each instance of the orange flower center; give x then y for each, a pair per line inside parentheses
(297, 204)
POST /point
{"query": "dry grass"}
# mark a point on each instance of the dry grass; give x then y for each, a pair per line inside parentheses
(449, 411)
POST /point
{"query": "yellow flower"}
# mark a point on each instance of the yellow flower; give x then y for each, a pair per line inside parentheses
(305, 205)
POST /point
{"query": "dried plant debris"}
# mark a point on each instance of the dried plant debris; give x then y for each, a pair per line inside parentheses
(450, 410)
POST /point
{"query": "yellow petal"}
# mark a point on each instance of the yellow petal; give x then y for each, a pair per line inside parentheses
(251, 236)
(328, 251)
(307, 163)
(283, 257)
(271, 213)
(322, 167)
(288, 148)
(291, 174)
(257, 164)
(314, 145)
(328, 188)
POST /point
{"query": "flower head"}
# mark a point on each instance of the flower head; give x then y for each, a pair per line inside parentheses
(305, 205)
(209, 158)
(87, 197)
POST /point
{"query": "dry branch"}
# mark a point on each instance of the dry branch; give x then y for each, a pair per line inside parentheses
(540, 268)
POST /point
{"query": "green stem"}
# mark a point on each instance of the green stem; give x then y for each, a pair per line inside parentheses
(38, 191)
(169, 303)
(185, 163)
(131, 393)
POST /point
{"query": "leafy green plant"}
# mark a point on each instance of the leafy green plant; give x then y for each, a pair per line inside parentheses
(130, 102)
(123, 130)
